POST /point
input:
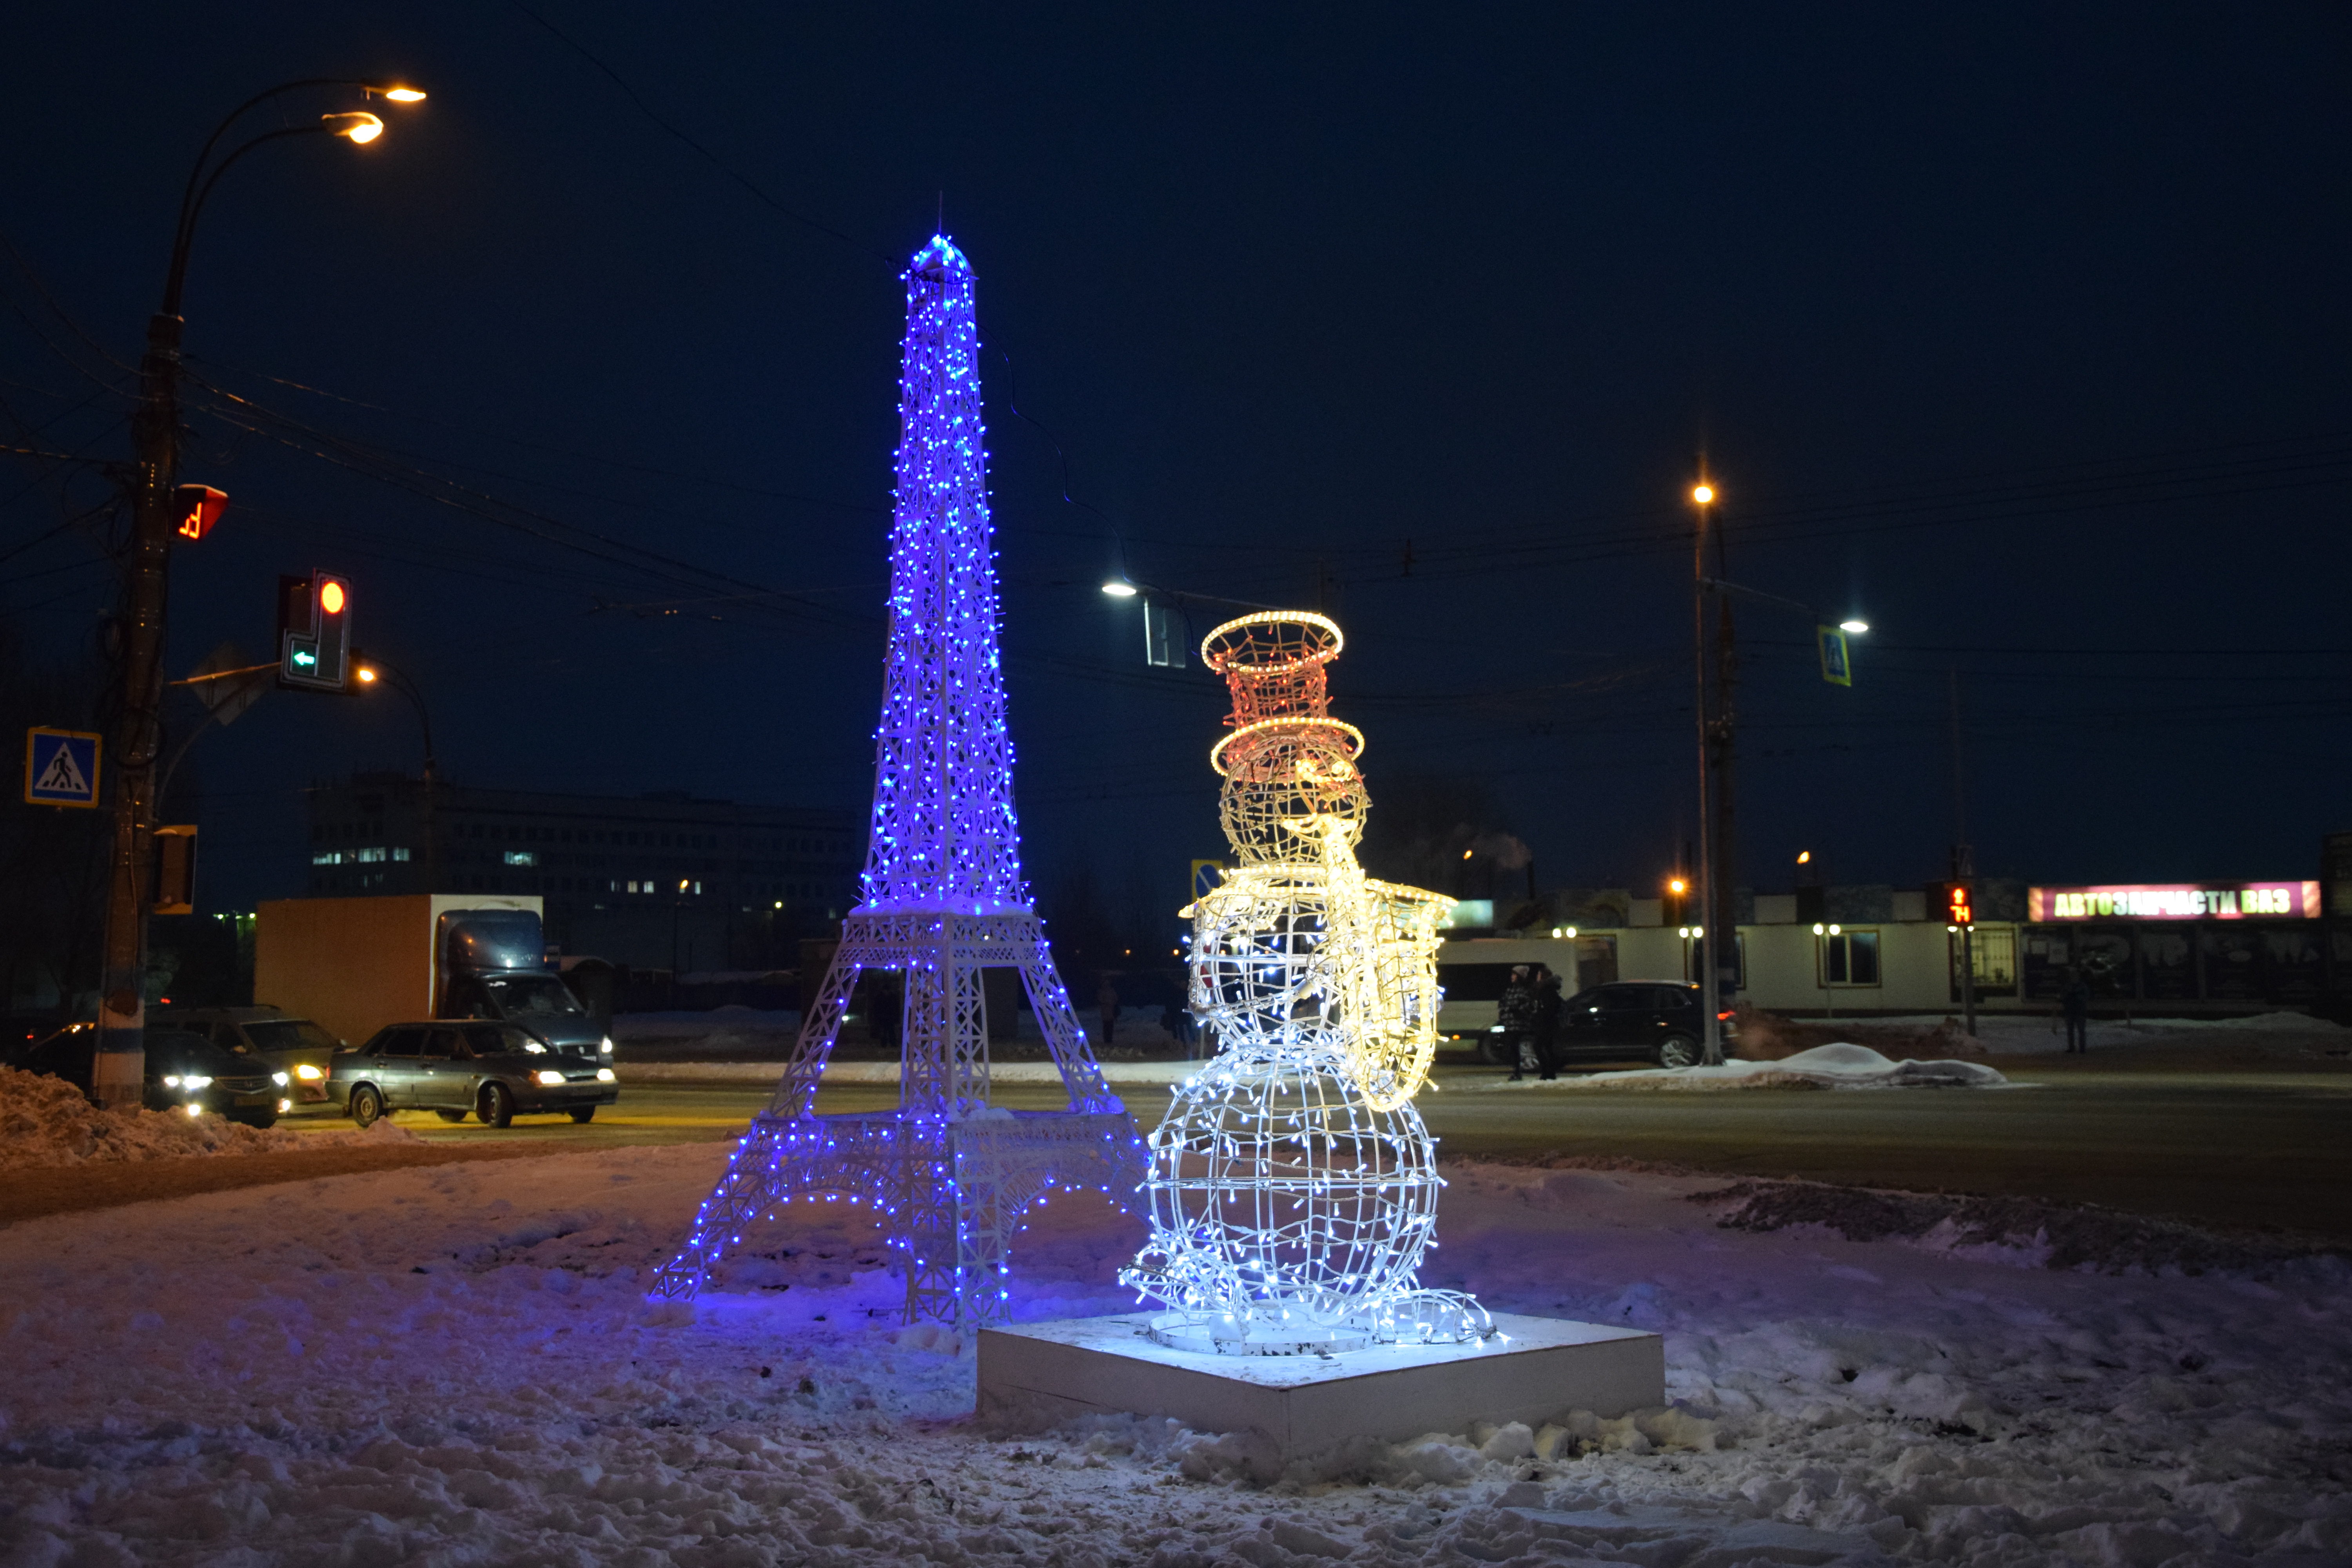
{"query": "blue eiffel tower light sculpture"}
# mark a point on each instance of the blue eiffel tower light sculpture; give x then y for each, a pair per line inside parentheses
(943, 899)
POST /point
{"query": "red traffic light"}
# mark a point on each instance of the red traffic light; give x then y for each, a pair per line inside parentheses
(331, 597)
(197, 506)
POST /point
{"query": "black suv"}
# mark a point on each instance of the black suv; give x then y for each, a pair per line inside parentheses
(495, 1070)
(186, 1072)
(1659, 1019)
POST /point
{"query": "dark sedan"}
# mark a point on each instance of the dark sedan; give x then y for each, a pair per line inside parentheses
(496, 1072)
(297, 1047)
(184, 1072)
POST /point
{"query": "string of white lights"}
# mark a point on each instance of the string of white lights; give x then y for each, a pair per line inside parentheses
(1293, 1186)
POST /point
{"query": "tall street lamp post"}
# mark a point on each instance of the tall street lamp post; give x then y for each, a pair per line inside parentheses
(1710, 966)
(120, 1069)
(369, 672)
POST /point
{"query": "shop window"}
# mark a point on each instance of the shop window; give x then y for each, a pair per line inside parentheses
(1850, 958)
(1994, 952)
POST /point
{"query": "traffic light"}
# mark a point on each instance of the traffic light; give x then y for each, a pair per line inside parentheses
(1959, 909)
(175, 870)
(314, 632)
(197, 508)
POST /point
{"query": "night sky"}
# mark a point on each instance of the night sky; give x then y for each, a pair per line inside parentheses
(2020, 333)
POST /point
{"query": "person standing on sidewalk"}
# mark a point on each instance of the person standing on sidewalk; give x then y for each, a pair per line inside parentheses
(1515, 1019)
(1547, 1024)
(2076, 1001)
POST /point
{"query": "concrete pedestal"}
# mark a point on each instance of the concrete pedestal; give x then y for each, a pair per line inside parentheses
(1037, 1376)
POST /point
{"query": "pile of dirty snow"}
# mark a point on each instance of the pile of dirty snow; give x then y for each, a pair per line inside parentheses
(458, 1364)
(2025, 1231)
(1841, 1065)
(46, 1121)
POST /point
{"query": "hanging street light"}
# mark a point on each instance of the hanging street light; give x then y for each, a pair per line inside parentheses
(119, 1071)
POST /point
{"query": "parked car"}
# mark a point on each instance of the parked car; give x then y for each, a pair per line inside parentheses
(1657, 1019)
(1660, 1019)
(496, 1072)
(185, 1071)
(298, 1047)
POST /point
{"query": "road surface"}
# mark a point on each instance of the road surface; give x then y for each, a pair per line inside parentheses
(2256, 1144)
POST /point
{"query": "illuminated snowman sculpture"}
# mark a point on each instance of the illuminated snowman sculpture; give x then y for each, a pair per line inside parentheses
(1292, 1187)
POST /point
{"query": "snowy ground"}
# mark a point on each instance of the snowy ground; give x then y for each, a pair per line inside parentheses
(456, 1366)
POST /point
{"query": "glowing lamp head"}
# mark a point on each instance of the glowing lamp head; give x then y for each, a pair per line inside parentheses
(360, 126)
(366, 674)
(1804, 857)
(1677, 884)
(1854, 628)
(1703, 493)
(403, 94)
(1119, 590)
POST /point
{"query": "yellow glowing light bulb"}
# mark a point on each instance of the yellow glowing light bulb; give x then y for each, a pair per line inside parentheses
(359, 127)
(403, 94)
(1702, 492)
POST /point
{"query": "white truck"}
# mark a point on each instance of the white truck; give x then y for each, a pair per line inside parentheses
(356, 964)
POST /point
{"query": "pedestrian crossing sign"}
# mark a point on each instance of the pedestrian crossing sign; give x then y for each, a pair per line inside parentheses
(60, 767)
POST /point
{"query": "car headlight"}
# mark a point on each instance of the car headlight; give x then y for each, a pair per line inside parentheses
(549, 1077)
(606, 1048)
(308, 1073)
(283, 1106)
(604, 1075)
(194, 1109)
(280, 1080)
(187, 1080)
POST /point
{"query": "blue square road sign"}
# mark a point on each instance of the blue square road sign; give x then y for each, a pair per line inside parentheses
(60, 767)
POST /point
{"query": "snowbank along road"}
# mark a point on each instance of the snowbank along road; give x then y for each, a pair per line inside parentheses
(457, 1366)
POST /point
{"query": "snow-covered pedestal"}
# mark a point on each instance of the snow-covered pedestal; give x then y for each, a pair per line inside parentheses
(1036, 1375)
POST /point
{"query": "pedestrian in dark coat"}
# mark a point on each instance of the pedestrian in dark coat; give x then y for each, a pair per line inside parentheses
(2076, 1001)
(1514, 1017)
(1547, 1027)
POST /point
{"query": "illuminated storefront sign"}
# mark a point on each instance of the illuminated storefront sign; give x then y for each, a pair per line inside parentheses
(2229, 901)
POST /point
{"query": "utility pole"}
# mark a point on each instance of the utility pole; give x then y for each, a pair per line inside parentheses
(119, 1070)
(1964, 870)
(1710, 962)
(1726, 801)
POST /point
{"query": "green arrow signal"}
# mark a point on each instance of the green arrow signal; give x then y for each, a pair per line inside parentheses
(303, 658)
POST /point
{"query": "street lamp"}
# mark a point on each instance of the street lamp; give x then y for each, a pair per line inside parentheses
(120, 1069)
(371, 672)
(1703, 495)
(1822, 935)
(1165, 630)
